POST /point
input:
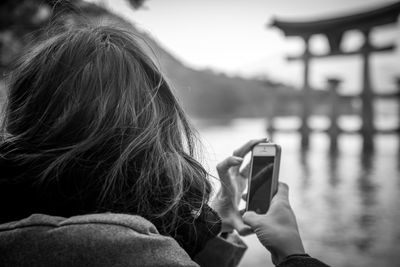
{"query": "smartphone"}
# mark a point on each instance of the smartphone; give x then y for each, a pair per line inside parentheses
(263, 180)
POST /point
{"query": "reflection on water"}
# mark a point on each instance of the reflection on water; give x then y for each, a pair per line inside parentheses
(347, 204)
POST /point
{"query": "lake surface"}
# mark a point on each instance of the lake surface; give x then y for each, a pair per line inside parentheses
(347, 206)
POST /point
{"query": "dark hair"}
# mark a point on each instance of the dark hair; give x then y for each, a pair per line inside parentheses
(90, 99)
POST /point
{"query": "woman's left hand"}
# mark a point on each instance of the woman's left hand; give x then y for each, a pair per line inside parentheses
(233, 183)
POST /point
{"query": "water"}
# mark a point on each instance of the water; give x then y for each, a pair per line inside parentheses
(347, 206)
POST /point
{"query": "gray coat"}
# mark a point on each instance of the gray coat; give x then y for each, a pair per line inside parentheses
(106, 239)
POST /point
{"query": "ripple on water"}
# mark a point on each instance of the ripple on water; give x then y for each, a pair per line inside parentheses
(346, 205)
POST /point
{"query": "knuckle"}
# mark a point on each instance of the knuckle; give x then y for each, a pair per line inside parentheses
(254, 142)
(219, 166)
(283, 203)
(224, 164)
(230, 158)
(284, 186)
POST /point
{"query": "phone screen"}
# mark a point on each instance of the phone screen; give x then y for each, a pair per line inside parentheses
(260, 185)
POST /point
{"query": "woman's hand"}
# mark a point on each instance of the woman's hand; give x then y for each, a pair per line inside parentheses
(277, 229)
(233, 183)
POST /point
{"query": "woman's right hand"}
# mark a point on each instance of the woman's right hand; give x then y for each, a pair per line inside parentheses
(277, 229)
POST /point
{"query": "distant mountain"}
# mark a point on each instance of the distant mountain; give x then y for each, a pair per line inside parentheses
(208, 94)
(205, 93)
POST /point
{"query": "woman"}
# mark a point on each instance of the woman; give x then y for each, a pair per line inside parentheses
(92, 126)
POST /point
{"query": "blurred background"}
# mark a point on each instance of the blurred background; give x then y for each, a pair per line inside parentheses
(335, 116)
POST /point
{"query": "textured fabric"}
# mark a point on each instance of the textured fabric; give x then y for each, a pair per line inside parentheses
(194, 236)
(301, 261)
(220, 252)
(106, 239)
(90, 240)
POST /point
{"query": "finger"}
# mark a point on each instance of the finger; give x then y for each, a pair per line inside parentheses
(282, 194)
(245, 172)
(251, 218)
(223, 167)
(241, 173)
(283, 191)
(243, 150)
(245, 231)
(241, 227)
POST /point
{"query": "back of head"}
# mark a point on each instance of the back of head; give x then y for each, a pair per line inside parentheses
(88, 99)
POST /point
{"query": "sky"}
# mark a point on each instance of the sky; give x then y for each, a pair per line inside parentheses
(232, 36)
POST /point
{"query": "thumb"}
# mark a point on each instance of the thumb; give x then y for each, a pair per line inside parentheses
(245, 231)
(242, 228)
(251, 218)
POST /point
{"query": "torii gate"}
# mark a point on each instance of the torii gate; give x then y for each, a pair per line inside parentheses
(334, 29)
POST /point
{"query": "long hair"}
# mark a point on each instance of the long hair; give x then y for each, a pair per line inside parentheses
(89, 99)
